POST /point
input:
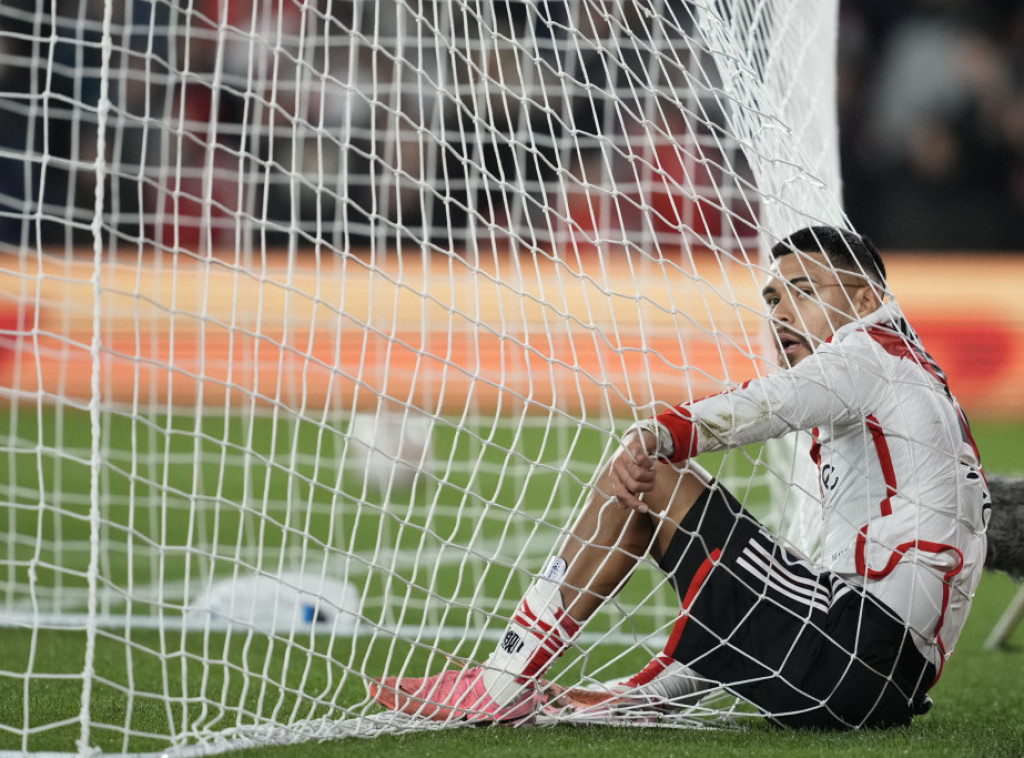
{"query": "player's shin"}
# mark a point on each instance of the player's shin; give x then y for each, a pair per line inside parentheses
(539, 632)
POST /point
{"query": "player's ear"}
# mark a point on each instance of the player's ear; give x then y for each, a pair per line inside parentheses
(866, 300)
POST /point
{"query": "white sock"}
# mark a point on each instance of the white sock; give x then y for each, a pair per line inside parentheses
(539, 632)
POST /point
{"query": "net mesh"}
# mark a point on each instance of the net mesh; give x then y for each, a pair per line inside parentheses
(318, 317)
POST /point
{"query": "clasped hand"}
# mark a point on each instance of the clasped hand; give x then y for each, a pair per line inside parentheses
(631, 472)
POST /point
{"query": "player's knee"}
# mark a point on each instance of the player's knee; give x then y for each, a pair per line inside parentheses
(675, 491)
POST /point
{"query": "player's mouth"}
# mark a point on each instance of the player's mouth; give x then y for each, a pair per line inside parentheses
(790, 345)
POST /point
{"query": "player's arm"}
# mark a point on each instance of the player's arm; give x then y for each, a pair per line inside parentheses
(826, 388)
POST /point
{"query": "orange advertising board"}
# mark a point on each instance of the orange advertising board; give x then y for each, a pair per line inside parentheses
(445, 335)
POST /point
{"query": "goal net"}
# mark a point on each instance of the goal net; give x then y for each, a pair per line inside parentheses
(318, 316)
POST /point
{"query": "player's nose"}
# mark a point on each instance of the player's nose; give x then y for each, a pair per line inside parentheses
(783, 312)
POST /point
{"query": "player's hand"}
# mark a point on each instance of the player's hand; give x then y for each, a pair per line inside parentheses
(631, 471)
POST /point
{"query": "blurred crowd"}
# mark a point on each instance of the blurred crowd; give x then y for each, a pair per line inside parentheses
(346, 122)
(931, 106)
(320, 127)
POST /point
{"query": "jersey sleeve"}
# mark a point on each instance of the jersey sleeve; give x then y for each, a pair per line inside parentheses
(832, 386)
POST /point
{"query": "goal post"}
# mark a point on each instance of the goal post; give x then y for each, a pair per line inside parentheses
(317, 318)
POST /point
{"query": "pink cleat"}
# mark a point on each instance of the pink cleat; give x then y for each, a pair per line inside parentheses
(453, 696)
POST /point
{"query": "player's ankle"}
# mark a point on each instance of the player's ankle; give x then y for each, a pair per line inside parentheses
(539, 632)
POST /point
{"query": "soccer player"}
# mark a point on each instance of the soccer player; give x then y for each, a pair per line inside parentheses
(853, 639)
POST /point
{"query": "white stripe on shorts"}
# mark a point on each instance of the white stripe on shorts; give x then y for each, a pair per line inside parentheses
(780, 579)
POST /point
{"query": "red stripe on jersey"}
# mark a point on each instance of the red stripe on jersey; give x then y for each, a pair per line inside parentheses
(895, 343)
(815, 453)
(898, 345)
(815, 447)
(691, 592)
(884, 460)
(895, 557)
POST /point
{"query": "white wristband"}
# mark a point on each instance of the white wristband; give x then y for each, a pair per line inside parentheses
(666, 447)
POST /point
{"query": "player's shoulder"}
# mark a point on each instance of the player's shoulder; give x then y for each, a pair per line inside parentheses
(870, 351)
(865, 341)
(879, 339)
(884, 332)
(890, 348)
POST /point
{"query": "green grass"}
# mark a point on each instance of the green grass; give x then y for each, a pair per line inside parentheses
(978, 706)
(158, 682)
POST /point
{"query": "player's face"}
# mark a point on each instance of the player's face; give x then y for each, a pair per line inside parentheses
(807, 301)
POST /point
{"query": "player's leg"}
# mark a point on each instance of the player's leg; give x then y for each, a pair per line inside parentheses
(608, 540)
(598, 567)
(805, 646)
(603, 547)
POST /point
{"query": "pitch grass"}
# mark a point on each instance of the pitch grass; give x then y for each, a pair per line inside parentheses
(979, 700)
(978, 710)
(977, 713)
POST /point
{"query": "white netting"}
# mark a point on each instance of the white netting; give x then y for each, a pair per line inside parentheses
(375, 287)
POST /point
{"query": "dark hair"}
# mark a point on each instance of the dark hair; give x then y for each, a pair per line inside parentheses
(844, 250)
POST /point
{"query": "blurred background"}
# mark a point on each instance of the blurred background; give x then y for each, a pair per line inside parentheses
(335, 323)
(931, 106)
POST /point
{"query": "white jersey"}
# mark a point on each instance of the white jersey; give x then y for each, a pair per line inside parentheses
(904, 501)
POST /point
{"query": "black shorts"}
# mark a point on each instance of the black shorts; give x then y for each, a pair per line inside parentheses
(806, 647)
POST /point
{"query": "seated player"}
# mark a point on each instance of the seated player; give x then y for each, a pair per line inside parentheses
(853, 640)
